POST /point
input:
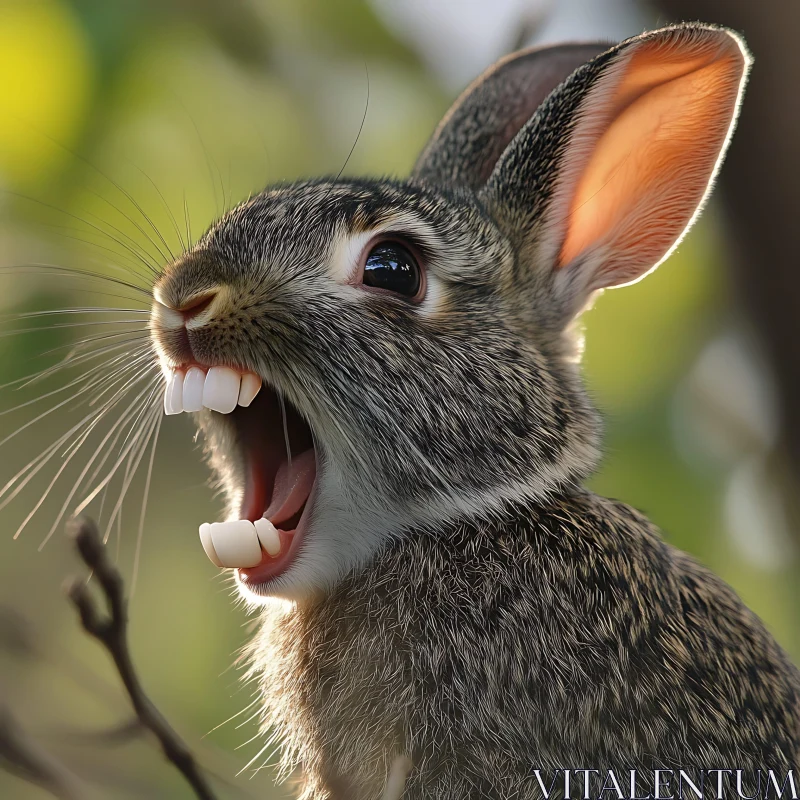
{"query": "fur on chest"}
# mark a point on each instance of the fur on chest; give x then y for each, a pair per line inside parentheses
(495, 650)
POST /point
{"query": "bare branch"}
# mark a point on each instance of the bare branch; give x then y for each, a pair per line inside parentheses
(112, 632)
(24, 757)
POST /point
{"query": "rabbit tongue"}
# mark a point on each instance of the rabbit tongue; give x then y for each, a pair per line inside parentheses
(293, 483)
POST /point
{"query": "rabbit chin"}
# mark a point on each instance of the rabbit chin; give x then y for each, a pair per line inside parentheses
(335, 517)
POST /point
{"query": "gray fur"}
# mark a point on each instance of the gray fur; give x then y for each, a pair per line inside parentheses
(459, 597)
(471, 138)
(568, 635)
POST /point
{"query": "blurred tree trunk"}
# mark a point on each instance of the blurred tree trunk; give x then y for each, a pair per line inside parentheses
(761, 187)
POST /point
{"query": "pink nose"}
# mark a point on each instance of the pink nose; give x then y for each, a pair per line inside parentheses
(196, 306)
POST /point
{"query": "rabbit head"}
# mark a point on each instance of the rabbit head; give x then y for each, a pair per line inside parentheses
(413, 338)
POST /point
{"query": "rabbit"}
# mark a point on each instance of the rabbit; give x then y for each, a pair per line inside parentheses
(387, 380)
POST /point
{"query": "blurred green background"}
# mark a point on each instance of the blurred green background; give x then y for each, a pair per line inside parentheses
(181, 107)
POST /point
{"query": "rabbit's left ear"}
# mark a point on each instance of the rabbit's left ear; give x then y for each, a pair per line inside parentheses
(489, 113)
(604, 180)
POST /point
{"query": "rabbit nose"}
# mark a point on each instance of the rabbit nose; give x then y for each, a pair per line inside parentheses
(194, 307)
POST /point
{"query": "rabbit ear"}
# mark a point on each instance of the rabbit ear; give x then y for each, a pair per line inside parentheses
(476, 130)
(602, 183)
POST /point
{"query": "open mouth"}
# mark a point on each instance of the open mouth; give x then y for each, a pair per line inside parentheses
(279, 467)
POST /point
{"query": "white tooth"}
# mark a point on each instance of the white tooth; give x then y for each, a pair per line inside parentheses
(208, 545)
(173, 394)
(193, 389)
(221, 389)
(236, 543)
(250, 386)
(268, 536)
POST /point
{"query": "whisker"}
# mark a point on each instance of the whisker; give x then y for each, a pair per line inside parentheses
(145, 498)
(62, 325)
(140, 365)
(285, 430)
(184, 245)
(132, 265)
(100, 517)
(75, 448)
(75, 382)
(35, 420)
(73, 359)
(135, 450)
(136, 421)
(256, 757)
(41, 460)
(91, 479)
(75, 310)
(65, 363)
(142, 257)
(209, 159)
(81, 345)
(49, 269)
(253, 716)
(139, 442)
(186, 220)
(121, 421)
(164, 256)
(360, 129)
(45, 454)
(110, 180)
(233, 717)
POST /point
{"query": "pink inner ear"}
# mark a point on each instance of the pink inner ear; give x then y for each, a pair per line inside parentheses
(650, 167)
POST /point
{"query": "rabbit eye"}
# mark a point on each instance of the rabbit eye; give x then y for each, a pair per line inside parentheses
(392, 267)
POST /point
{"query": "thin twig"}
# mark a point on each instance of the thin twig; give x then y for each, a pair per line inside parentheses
(111, 631)
(22, 756)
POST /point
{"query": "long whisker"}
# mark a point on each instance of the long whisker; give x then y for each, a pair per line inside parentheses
(121, 421)
(81, 345)
(75, 382)
(131, 264)
(145, 497)
(43, 457)
(55, 269)
(110, 180)
(134, 458)
(67, 361)
(360, 129)
(75, 310)
(110, 449)
(40, 461)
(285, 430)
(209, 159)
(184, 245)
(145, 407)
(233, 716)
(125, 450)
(73, 359)
(122, 374)
(65, 463)
(141, 365)
(186, 220)
(165, 256)
(142, 256)
(61, 325)
(35, 420)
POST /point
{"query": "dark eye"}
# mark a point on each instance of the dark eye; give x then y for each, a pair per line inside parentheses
(391, 266)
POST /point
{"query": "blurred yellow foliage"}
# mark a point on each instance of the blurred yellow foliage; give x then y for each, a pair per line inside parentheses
(46, 77)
